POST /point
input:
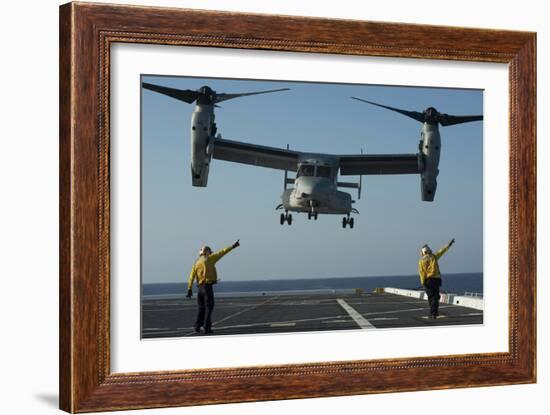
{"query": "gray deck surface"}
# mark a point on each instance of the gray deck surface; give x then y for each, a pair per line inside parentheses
(298, 313)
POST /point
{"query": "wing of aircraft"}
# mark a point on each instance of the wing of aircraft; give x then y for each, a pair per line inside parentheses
(256, 155)
(281, 159)
(379, 164)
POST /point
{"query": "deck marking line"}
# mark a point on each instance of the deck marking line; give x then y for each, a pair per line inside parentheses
(279, 322)
(384, 318)
(282, 325)
(245, 310)
(358, 318)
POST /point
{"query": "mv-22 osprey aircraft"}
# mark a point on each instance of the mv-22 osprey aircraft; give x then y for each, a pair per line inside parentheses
(316, 183)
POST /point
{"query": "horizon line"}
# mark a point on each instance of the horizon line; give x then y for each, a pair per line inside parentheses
(316, 278)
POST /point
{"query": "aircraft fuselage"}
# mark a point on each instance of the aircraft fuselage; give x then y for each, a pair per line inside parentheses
(315, 188)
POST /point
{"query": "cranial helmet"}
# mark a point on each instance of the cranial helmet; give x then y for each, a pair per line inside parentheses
(204, 249)
(426, 250)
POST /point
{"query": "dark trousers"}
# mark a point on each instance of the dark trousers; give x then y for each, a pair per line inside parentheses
(431, 285)
(205, 301)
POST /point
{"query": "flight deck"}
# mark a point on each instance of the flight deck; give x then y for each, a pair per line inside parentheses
(280, 313)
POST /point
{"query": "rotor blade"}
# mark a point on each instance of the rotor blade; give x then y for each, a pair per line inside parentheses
(418, 116)
(446, 119)
(185, 95)
(225, 97)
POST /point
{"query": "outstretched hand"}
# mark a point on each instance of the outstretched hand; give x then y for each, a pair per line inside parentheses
(452, 242)
(236, 244)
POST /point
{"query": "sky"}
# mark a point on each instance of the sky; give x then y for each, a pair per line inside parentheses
(240, 200)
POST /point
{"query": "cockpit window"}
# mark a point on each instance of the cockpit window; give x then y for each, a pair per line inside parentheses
(305, 170)
(323, 171)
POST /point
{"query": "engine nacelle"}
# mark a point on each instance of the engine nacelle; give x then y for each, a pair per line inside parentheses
(202, 143)
(428, 186)
(430, 147)
(199, 176)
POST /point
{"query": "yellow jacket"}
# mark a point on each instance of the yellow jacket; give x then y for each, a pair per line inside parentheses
(204, 269)
(428, 266)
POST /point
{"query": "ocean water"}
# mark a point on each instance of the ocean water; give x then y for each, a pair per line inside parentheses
(452, 283)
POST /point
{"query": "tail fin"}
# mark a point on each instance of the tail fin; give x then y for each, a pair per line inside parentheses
(360, 183)
(353, 185)
(287, 180)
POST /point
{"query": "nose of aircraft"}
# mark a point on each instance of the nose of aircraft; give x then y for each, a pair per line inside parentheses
(312, 188)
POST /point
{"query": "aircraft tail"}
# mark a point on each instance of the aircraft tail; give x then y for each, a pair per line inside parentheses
(287, 181)
(357, 186)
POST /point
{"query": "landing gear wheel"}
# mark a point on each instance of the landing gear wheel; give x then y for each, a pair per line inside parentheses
(351, 223)
(344, 222)
(282, 219)
(289, 219)
(309, 215)
(315, 216)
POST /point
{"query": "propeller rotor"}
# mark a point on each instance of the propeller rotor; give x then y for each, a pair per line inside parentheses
(204, 95)
(429, 115)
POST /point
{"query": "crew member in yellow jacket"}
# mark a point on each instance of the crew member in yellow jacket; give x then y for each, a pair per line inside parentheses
(204, 271)
(430, 276)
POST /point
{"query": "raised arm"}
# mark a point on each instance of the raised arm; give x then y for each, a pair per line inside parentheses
(440, 253)
(216, 256)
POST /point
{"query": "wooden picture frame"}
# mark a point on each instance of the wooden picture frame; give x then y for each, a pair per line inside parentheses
(86, 33)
